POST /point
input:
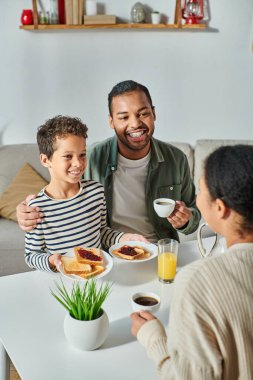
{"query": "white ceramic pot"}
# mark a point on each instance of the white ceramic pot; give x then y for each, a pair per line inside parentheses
(155, 17)
(86, 335)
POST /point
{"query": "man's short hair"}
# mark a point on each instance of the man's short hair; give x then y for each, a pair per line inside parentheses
(127, 86)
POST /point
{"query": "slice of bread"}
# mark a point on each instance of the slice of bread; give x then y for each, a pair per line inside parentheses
(71, 266)
(145, 255)
(91, 256)
(128, 252)
(96, 269)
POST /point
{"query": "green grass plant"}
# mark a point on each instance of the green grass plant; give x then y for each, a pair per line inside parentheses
(84, 302)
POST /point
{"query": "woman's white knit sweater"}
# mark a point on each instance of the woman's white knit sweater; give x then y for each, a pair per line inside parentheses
(211, 321)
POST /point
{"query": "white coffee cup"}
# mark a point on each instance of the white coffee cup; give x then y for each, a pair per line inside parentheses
(164, 206)
(146, 301)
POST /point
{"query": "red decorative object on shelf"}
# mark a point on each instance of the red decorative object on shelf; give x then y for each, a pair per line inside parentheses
(27, 17)
(192, 11)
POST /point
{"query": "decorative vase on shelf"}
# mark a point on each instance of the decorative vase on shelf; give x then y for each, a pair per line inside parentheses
(138, 13)
(27, 17)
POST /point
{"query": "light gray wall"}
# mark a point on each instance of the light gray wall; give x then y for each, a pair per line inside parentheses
(201, 82)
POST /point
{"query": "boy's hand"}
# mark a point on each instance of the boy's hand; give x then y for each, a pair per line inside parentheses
(55, 261)
(133, 237)
(28, 216)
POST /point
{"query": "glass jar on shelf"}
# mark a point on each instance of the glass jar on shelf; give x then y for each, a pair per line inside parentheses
(53, 12)
(43, 17)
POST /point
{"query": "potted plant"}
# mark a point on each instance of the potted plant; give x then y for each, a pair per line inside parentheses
(86, 324)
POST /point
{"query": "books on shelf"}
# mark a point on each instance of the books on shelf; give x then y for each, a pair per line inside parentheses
(69, 12)
(99, 19)
(80, 11)
(74, 11)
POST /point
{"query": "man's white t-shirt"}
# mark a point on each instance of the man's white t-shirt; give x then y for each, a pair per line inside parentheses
(129, 209)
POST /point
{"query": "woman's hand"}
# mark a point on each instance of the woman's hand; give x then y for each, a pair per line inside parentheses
(132, 237)
(180, 216)
(139, 319)
(28, 216)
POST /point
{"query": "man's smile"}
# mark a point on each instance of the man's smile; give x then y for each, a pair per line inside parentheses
(138, 135)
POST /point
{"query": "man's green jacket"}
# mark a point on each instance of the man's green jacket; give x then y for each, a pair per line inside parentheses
(168, 177)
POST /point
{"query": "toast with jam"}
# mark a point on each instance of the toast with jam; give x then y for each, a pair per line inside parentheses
(129, 252)
(92, 256)
(71, 265)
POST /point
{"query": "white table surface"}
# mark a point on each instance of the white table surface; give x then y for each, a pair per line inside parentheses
(31, 325)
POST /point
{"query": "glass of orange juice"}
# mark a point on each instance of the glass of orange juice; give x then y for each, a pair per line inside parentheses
(167, 259)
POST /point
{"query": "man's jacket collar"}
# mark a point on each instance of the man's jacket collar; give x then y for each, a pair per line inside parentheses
(112, 162)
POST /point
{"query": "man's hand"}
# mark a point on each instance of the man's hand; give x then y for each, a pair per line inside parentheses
(132, 237)
(180, 216)
(139, 319)
(28, 216)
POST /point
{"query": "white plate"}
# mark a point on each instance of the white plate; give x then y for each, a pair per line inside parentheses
(152, 248)
(108, 262)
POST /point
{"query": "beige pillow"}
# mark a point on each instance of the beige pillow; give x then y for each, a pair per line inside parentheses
(27, 181)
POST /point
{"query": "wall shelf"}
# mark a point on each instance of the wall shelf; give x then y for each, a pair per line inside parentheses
(177, 23)
(113, 26)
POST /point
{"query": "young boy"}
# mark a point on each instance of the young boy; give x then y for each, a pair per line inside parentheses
(74, 209)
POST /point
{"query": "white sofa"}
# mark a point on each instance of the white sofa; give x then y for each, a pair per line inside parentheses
(12, 157)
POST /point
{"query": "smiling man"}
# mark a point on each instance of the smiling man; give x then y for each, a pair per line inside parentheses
(136, 168)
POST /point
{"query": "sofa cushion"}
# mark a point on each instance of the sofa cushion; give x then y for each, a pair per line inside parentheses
(27, 181)
(12, 157)
(188, 151)
(12, 248)
(203, 148)
(11, 236)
